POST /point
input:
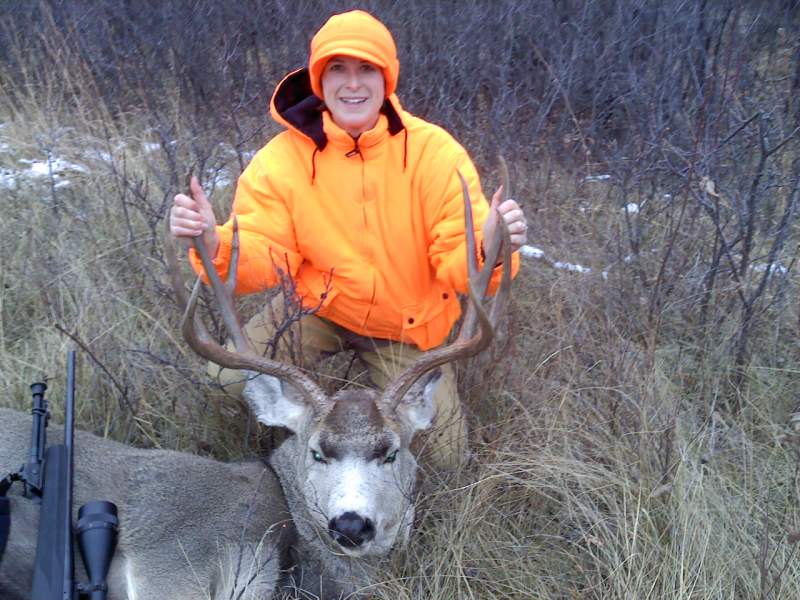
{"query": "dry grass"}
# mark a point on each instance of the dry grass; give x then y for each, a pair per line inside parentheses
(597, 472)
(607, 462)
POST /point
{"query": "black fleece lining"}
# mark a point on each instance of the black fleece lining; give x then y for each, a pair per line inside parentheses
(301, 108)
(296, 103)
(395, 122)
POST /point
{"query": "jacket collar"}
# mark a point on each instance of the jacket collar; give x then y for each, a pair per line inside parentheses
(296, 107)
(339, 138)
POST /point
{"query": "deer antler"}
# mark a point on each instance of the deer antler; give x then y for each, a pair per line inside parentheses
(198, 338)
(468, 343)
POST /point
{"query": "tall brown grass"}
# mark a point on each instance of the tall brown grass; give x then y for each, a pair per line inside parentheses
(618, 451)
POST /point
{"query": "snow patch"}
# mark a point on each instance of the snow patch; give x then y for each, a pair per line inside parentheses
(531, 251)
(775, 268)
(43, 168)
(8, 179)
(571, 267)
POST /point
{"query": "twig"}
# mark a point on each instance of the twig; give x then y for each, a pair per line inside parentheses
(123, 390)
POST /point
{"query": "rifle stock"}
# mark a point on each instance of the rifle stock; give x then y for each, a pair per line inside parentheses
(5, 523)
(51, 569)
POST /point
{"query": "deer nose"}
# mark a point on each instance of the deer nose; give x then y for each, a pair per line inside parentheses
(350, 530)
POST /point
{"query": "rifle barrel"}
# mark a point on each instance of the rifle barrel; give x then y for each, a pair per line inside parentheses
(69, 429)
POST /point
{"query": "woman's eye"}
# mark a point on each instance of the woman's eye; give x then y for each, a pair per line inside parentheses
(390, 458)
(368, 68)
(318, 457)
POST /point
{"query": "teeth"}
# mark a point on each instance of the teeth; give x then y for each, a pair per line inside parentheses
(353, 100)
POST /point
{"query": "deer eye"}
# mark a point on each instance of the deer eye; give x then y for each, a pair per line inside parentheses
(318, 457)
(390, 458)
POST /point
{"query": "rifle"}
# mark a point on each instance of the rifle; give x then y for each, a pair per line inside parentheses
(47, 480)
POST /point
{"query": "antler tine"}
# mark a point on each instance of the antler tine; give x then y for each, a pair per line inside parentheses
(199, 334)
(233, 264)
(201, 342)
(479, 278)
(469, 230)
(504, 291)
(505, 178)
(224, 292)
(467, 343)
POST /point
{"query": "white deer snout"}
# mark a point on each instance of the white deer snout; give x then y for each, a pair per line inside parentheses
(351, 489)
(352, 504)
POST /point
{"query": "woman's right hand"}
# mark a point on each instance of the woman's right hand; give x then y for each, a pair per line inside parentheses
(193, 215)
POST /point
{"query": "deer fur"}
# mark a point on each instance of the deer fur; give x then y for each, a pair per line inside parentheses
(355, 437)
(190, 527)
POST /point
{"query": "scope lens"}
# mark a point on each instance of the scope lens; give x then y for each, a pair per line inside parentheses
(97, 537)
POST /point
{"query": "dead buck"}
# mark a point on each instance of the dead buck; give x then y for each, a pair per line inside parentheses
(347, 472)
(191, 527)
(196, 528)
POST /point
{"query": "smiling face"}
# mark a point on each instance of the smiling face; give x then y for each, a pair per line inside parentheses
(353, 91)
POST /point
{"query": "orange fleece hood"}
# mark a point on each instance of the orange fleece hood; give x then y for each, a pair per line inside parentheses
(357, 34)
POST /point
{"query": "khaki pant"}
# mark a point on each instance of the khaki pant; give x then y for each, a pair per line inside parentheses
(443, 447)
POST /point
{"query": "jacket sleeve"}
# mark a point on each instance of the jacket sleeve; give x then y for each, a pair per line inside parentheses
(267, 241)
(448, 245)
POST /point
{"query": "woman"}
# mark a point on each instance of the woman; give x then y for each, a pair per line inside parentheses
(359, 202)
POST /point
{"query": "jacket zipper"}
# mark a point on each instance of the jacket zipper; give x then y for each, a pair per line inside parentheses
(357, 151)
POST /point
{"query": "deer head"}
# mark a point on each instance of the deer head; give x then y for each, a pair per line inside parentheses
(347, 471)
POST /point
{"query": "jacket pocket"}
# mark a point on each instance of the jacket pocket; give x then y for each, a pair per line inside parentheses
(316, 289)
(427, 324)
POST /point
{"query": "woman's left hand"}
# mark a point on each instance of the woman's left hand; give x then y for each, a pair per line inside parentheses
(513, 216)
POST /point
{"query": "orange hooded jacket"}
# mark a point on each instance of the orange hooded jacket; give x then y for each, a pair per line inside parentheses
(371, 230)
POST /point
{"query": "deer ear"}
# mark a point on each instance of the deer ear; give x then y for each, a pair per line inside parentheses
(272, 405)
(418, 407)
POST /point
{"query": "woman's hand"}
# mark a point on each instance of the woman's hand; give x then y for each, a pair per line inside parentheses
(193, 215)
(513, 216)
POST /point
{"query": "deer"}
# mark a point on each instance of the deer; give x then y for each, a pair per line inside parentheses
(191, 527)
(345, 475)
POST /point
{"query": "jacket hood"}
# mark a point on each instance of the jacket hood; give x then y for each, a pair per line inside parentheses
(358, 34)
(295, 106)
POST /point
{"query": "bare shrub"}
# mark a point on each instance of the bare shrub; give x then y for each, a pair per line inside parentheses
(634, 442)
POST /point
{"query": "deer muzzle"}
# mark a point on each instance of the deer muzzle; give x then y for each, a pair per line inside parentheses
(351, 530)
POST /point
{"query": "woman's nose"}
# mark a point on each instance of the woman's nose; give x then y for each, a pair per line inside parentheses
(353, 80)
